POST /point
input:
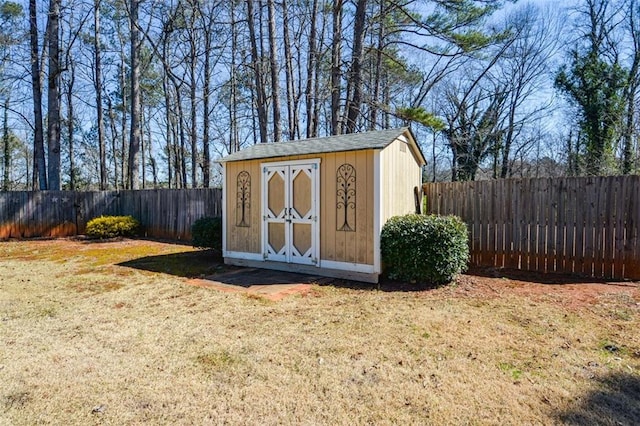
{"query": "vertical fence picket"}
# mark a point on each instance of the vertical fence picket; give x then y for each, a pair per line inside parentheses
(525, 218)
(165, 213)
(570, 256)
(586, 225)
(609, 216)
(542, 226)
(560, 224)
(509, 222)
(618, 235)
(583, 225)
(632, 239)
(599, 224)
(5, 219)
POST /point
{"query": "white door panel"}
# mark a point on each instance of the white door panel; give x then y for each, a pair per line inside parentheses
(290, 212)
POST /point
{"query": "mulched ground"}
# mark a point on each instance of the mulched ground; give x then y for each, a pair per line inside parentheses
(569, 291)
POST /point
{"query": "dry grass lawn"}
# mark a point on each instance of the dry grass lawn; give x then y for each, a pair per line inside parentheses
(86, 341)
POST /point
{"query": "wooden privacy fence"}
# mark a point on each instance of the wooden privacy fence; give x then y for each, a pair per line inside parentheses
(164, 213)
(586, 226)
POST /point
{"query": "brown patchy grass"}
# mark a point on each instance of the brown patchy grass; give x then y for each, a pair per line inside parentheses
(88, 340)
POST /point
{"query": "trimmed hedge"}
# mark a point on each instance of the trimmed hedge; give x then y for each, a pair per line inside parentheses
(206, 232)
(112, 226)
(424, 248)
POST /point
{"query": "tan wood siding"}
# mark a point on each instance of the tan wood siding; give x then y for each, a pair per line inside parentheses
(400, 173)
(246, 239)
(347, 246)
(340, 246)
(328, 225)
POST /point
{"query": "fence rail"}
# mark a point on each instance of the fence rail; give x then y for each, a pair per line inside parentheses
(164, 213)
(587, 226)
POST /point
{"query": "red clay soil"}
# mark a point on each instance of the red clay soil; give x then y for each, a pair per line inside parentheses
(569, 291)
(273, 292)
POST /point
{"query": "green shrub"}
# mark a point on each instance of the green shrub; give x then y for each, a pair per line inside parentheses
(206, 232)
(424, 248)
(112, 226)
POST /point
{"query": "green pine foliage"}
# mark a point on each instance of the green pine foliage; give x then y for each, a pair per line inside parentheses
(425, 249)
(422, 116)
(595, 88)
(206, 232)
(112, 226)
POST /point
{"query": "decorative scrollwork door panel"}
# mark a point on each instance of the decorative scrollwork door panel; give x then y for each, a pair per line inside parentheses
(243, 199)
(346, 197)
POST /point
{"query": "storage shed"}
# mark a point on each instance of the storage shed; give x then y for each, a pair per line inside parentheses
(317, 206)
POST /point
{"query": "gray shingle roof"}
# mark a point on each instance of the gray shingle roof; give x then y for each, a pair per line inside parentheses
(377, 139)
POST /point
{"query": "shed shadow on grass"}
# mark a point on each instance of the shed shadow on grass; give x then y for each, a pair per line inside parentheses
(384, 284)
(190, 264)
(616, 401)
(209, 265)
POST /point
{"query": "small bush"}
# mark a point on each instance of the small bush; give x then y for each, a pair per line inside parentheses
(424, 248)
(112, 226)
(206, 232)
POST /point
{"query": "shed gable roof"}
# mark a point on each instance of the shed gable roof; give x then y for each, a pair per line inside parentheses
(377, 139)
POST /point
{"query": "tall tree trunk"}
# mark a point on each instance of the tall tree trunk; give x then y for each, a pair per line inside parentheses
(167, 129)
(288, 63)
(152, 162)
(53, 97)
(454, 165)
(98, 87)
(183, 141)
(177, 158)
(234, 144)
(206, 156)
(261, 98)
(354, 81)
(316, 86)
(505, 169)
(6, 147)
(114, 139)
(336, 60)
(633, 81)
(27, 164)
(39, 174)
(386, 100)
(375, 104)
(627, 151)
(124, 141)
(311, 58)
(273, 59)
(70, 127)
(143, 159)
(433, 156)
(136, 131)
(193, 131)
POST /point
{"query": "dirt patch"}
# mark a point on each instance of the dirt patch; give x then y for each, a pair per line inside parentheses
(269, 284)
(570, 292)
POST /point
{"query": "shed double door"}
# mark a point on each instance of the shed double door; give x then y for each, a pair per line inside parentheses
(290, 212)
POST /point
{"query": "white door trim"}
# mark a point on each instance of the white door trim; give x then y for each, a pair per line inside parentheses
(377, 211)
(269, 217)
(225, 219)
(313, 219)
